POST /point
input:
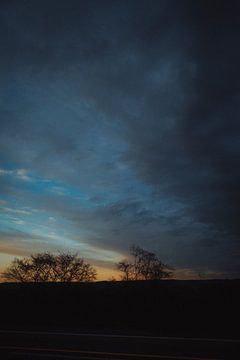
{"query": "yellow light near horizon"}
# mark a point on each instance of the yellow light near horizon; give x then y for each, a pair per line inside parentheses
(106, 273)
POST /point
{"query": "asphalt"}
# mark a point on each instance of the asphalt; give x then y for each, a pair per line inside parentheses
(19, 345)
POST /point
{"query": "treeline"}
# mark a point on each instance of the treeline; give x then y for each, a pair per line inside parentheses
(67, 267)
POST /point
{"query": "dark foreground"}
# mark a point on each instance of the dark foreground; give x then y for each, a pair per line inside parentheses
(141, 310)
(40, 345)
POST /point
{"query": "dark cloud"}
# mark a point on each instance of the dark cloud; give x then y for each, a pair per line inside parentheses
(132, 110)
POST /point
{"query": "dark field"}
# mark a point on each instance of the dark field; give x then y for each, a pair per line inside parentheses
(208, 309)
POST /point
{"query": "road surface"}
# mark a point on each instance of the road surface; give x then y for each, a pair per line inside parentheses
(19, 345)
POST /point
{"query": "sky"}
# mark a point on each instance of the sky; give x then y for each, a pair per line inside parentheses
(119, 125)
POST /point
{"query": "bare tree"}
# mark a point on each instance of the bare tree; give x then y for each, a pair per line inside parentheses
(127, 269)
(45, 267)
(20, 271)
(145, 266)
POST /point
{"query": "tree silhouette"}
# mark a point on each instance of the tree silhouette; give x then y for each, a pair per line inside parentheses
(126, 268)
(145, 266)
(45, 267)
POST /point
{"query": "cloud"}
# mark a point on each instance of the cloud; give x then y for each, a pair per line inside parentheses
(19, 222)
(20, 174)
(129, 110)
(19, 243)
(15, 211)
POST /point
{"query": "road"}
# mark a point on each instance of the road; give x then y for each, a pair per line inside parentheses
(19, 345)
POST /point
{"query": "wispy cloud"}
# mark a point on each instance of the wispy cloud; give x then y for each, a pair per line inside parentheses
(19, 222)
(20, 174)
(15, 211)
